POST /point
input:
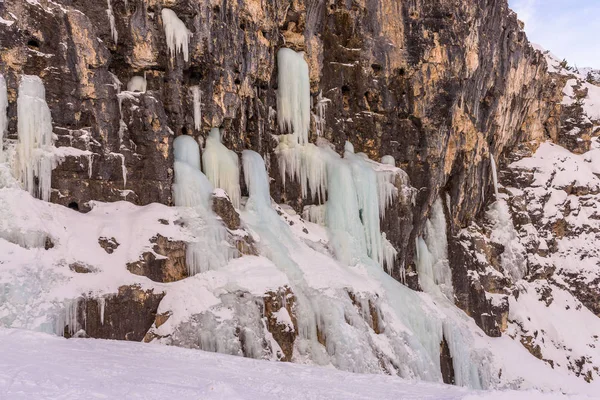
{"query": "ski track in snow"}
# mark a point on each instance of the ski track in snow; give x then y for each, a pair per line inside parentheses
(39, 366)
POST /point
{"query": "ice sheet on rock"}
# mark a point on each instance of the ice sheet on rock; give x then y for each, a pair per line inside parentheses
(221, 166)
(34, 159)
(137, 84)
(196, 102)
(513, 258)
(111, 21)
(3, 113)
(432, 254)
(176, 33)
(293, 94)
(494, 177)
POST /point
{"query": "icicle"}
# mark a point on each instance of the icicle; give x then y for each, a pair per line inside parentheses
(221, 166)
(432, 254)
(111, 20)
(315, 214)
(293, 94)
(137, 84)
(494, 176)
(123, 167)
(197, 110)
(389, 253)
(305, 164)
(3, 112)
(101, 304)
(90, 164)
(177, 35)
(322, 103)
(34, 158)
(67, 322)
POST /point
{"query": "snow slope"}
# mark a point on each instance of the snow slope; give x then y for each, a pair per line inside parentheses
(39, 366)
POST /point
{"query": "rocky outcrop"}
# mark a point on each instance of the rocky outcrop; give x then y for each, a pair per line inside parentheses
(280, 314)
(167, 262)
(126, 315)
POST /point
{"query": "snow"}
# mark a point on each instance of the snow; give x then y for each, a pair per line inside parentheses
(590, 103)
(293, 94)
(176, 33)
(221, 166)
(6, 22)
(34, 159)
(39, 366)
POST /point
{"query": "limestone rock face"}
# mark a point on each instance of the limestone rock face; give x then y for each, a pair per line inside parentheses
(438, 85)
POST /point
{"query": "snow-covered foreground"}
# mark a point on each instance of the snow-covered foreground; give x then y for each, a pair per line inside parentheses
(40, 366)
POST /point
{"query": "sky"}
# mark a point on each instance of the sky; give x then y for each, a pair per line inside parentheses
(568, 28)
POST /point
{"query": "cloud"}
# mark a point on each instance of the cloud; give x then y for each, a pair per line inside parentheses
(567, 28)
(526, 10)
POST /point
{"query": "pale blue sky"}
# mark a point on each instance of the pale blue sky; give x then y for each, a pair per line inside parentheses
(568, 28)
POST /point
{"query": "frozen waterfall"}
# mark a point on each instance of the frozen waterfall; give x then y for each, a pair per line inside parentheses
(293, 94)
(34, 157)
(192, 190)
(221, 166)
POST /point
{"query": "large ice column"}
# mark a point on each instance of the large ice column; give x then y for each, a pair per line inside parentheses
(365, 183)
(34, 157)
(293, 94)
(432, 254)
(3, 111)
(221, 166)
(177, 35)
(256, 178)
(347, 233)
(191, 188)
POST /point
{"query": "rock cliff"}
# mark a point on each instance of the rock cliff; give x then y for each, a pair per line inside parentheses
(445, 87)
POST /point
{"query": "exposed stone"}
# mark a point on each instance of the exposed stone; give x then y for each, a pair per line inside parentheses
(222, 206)
(81, 268)
(108, 244)
(167, 262)
(126, 315)
(283, 334)
(446, 363)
